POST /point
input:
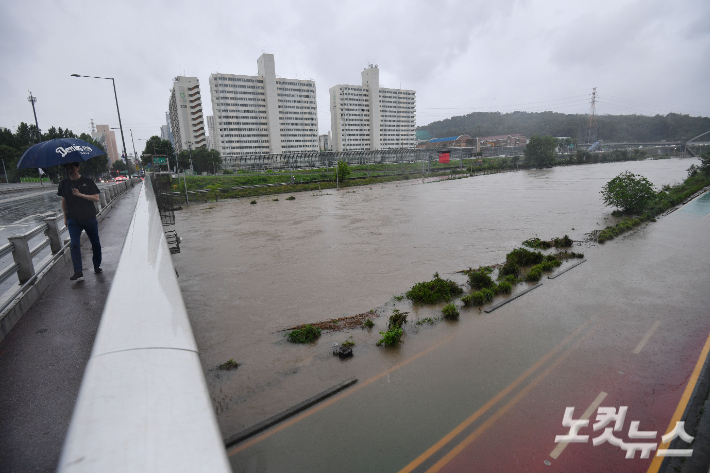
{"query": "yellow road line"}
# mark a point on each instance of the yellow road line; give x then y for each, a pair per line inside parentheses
(587, 414)
(646, 337)
(523, 392)
(493, 401)
(656, 463)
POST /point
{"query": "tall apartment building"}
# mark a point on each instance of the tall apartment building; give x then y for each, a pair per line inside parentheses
(210, 132)
(324, 142)
(104, 134)
(169, 128)
(186, 120)
(368, 117)
(263, 113)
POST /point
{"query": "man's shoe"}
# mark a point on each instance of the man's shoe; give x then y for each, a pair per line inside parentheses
(78, 276)
(98, 270)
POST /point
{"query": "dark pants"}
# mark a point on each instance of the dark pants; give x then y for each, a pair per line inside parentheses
(91, 227)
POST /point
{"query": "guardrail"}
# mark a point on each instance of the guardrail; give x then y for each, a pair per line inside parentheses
(143, 403)
(28, 270)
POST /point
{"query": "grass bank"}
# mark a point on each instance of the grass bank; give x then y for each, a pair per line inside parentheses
(222, 186)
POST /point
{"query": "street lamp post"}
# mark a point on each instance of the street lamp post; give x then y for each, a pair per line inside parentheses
(135, 155)
(189, 147)
(120, 125)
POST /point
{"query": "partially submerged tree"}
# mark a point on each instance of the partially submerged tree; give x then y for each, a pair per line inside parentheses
(540, 151)
(203, 160)
(342, 171)
(629, 192)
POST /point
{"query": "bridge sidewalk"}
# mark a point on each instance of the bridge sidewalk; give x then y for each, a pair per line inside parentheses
(42, 359)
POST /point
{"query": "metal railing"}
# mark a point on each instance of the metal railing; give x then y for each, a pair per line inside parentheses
(316, 159)
(24, 257)
(143, 403)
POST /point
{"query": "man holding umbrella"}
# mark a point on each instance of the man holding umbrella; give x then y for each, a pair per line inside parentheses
(78, 196)
(78, 193)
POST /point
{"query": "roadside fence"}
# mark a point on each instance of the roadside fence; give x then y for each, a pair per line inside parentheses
(32, 262)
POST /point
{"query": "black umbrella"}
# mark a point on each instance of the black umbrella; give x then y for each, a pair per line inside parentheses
(59, 151)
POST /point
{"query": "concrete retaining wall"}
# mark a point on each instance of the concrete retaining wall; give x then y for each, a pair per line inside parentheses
(34, 288)
(143, 403)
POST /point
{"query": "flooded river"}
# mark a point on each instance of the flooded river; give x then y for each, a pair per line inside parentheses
(249, 271)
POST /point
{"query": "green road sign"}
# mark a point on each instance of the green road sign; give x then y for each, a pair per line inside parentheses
(160, 160)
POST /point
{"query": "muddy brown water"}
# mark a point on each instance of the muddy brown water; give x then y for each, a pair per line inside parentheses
(249, 271)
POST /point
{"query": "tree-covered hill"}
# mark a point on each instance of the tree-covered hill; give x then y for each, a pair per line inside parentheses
(610, 128)
(13, 145)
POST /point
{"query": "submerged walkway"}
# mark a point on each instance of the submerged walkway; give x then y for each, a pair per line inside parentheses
(42, 359)
(629, 327)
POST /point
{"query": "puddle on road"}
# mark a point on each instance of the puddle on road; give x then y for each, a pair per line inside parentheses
(249, 271)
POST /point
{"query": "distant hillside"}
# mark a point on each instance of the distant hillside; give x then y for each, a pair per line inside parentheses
(635, 128)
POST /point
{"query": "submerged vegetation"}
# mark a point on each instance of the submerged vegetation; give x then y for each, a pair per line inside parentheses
(397, 319)
(394, 332)
(505, 287)
(615, 230)
(229, 365)
(306, 334)
(391, 337)
(436, 290)
(450, 311)
(524, 257)
(564, 242)
(479, 280)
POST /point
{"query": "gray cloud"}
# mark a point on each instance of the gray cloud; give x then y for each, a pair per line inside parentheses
(644, 56)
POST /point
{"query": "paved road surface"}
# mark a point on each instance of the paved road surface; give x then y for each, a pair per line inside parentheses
(42, 359)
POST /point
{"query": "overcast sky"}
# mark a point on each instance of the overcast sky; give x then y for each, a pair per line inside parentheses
(647, 57)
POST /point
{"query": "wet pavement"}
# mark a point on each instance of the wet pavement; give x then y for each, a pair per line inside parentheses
(43, 357)
(248, 271)
(20, 212)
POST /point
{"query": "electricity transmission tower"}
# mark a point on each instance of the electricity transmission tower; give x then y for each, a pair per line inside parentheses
(592, 127)
(32, 99)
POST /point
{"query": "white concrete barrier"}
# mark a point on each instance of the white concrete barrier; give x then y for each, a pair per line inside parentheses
(143, 403)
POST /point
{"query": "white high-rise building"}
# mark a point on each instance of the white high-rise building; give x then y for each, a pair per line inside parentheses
(186, 120)
(210, 131)
(324, 142)
(169, 128)
(262, 114)
(368, 117)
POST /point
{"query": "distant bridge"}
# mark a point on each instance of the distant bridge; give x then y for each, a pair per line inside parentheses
(692, 152)
(688, 148)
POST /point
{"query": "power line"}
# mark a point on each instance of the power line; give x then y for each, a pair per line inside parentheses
(592, 129)
(504, 106)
